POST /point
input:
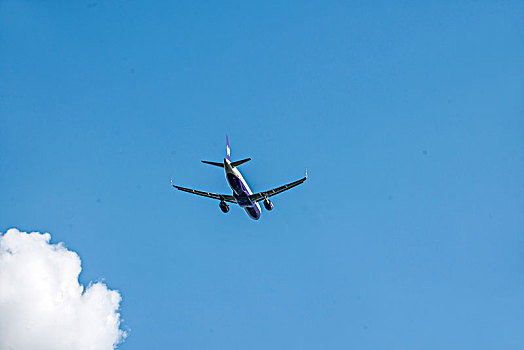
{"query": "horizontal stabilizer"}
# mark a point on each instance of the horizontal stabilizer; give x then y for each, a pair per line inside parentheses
(220, 165)
(240, 162)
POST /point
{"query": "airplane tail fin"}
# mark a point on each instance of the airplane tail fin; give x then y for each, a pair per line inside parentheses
(228, 155)
(228, 150)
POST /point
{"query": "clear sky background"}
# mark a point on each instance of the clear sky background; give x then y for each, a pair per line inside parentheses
(408, 234)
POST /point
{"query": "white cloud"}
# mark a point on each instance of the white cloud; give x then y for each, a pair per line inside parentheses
(42, 304)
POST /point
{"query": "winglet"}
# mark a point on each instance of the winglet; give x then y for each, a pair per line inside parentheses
(306, 173)
(171, 181)
(228, 150)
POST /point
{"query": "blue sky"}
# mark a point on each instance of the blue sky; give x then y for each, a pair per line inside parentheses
(409, 117)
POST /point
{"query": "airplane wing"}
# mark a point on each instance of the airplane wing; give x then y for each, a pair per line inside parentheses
(224, 197)
(257, 197)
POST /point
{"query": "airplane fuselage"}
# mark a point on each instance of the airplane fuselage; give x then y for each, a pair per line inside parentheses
(241, 190)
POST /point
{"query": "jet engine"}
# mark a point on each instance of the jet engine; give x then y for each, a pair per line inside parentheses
(224, 207)
(267, 204)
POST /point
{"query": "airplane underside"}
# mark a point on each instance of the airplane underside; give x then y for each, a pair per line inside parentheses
(241, 195)
(253, 212)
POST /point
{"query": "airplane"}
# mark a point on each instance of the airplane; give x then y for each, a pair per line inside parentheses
(242, 194)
